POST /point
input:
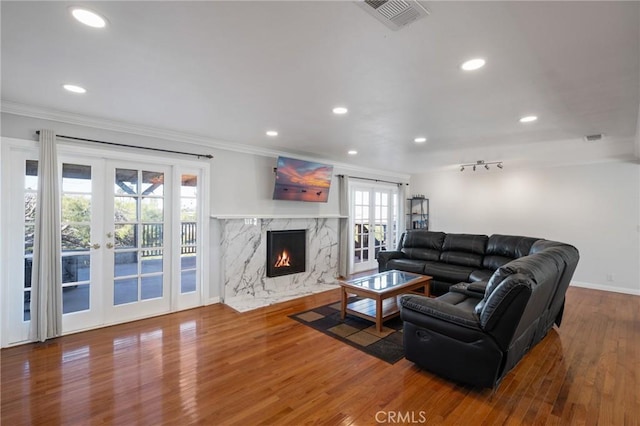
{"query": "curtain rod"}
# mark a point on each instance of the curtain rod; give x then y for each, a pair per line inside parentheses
(132, 146)
(375, 180)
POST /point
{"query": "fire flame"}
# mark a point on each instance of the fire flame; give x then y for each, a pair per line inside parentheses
(283, 260)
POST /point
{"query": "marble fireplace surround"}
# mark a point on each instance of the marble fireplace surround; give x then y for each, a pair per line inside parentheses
(243, 248)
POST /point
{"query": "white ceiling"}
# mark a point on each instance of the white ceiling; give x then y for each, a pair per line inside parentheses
(229, 71)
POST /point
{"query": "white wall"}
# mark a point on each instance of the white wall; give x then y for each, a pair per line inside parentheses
(593, 207)
(242, 184)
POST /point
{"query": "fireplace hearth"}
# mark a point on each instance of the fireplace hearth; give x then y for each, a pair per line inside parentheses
(286, 252)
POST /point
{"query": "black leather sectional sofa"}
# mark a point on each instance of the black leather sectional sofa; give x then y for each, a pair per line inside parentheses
(509, 292)
(453, 258)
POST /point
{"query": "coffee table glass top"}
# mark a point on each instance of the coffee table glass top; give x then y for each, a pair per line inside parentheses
(384, 281)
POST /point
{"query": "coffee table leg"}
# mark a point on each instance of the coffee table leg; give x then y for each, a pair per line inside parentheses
(379, 314)
(343, 307)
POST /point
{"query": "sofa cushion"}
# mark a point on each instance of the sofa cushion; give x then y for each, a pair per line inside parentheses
(468, 243)
(421, 253)
(421, 244)
(408, 265)
(447, 272)
(423, 239)
(461, 258)
(501, 249)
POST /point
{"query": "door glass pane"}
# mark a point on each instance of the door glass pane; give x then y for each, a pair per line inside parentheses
(125, 291)
(151, 261)
(75, 236)
(126, 182)
(188, 211)
(30, 198)
(125, 236)
(151, 287)
(125, 264)
(152, 235)
(76, 178)
(75, 298)
(188, 232)
(152, 209)
(152, 183)
(125, 209)
(361, 227)
(76, 268)
(76, 208)
(188, 281)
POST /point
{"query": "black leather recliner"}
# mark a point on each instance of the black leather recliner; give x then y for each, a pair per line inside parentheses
(477, 332)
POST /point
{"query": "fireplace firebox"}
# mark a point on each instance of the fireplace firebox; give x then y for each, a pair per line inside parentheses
(286, 252)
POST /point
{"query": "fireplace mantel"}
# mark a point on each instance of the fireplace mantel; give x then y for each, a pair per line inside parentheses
(277, 216)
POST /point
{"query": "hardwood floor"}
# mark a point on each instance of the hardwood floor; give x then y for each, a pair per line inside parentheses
(215, 366)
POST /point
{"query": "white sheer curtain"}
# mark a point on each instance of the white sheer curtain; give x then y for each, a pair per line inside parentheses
(402, 210)
(344, 259)
(46, 281)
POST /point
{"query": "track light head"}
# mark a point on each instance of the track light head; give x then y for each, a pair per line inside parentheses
(486, 166)
(499, 165)
(474, 167)
(462, 168)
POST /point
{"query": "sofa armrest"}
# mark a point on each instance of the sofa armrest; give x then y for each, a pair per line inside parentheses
(475, 289)
(478, 287)
(385, 256)
(438, 309)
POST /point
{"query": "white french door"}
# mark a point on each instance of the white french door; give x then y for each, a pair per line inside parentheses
(81, 240)
(374, 222)
(137, 237)
(132, 239)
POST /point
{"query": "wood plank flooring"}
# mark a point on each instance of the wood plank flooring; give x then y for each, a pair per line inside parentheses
(215, 366)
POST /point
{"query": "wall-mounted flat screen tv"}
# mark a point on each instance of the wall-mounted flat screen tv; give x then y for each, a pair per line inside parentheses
(299, 180)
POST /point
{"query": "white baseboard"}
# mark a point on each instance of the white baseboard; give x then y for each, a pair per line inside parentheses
(212, 300)
(603, 287)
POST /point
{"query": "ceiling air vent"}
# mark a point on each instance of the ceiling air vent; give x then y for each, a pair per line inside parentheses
(594, 138)
(395, 14)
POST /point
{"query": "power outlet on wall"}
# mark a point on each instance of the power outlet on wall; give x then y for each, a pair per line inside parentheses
(610, 277)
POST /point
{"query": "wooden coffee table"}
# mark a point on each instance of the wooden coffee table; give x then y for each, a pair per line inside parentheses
(379, 293)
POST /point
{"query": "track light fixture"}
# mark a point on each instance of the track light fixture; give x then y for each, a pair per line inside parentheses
(480, 163)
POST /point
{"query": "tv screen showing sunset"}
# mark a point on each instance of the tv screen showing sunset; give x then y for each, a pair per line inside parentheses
(299, 180)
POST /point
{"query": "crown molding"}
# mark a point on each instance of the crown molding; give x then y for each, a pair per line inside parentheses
(10, 107)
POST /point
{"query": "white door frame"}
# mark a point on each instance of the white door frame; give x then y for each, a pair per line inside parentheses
(372, 188)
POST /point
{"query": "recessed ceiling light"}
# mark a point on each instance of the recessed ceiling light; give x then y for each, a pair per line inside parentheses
(352, 152)
(272, 133)
(420, 140)
(340, 110)
(73, 88)
(528, 119)
(473, 64)
(88, 17)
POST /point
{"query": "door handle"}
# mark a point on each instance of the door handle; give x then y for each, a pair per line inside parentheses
(95, 246)
(109, 245)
